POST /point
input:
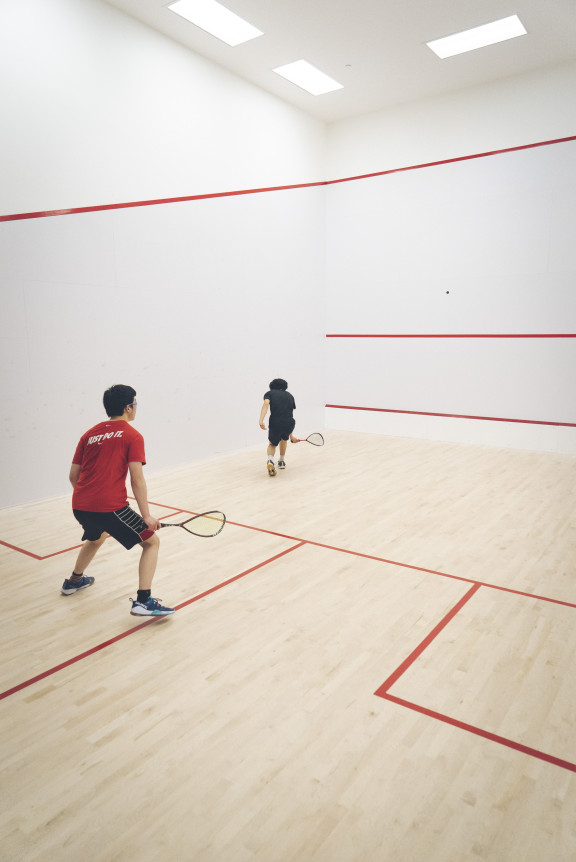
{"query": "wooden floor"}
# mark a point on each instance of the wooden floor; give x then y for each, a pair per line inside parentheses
(373, 662)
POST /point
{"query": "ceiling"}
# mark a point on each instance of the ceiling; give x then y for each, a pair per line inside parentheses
(375, 48)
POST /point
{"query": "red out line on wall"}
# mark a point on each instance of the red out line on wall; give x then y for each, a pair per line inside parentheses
(457, 335)
(451, 415)
(186, 198)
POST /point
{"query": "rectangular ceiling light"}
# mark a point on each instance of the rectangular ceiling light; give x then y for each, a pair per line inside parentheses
(216, 20)
(478, 37)
(307, 76)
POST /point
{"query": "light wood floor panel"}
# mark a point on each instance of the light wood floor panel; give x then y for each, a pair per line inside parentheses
(494, 515)
(65, 626)
(513, 678)
(246, 728)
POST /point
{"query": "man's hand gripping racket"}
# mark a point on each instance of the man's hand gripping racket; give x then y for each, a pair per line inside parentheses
(315, 439)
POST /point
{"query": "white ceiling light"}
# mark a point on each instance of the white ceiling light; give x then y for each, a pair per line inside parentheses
(307, 76)
(216, 20)
(478, 37)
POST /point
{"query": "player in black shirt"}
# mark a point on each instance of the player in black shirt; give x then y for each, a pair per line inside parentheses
(282, 422)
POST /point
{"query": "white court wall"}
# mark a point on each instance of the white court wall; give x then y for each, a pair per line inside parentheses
(512, 112)
(98, 109)
(196, 304)
(477, 246)
(199, 303)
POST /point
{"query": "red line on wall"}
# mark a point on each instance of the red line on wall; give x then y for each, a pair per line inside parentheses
(186, 198)
(456, 159)
(158, 202)
(478, 731)
(451, 415)
(457, 335)
(427, 641)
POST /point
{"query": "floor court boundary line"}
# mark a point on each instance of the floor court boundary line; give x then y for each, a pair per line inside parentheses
(75, 547)
(478, 731)
(383, 691)
(416, 653)
(410, 566)
(87, 653)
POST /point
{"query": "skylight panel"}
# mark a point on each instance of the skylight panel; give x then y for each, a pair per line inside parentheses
(308, 77)
(216, 20)
(478, 37)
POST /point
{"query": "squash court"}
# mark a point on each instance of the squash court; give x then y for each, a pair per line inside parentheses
(373, 661)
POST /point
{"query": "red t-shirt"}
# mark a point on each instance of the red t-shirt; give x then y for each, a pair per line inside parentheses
(103, 454)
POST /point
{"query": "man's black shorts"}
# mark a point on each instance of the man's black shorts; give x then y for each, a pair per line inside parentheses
(125, 525)
(281, 431)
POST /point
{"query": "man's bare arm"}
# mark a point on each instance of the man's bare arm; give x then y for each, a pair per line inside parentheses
(140, 492)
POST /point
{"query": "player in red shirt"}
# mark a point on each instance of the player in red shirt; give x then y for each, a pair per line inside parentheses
(103, 458)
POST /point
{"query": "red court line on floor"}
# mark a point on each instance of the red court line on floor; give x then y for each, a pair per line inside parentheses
(486, 734)
(341, 551)
(22, 551)
(450, 415)
(51, 671)
(410, 566)
(241, 575)
(75, 547)
(384, 692)
(39, 677)
(426, 642)
(320, 183)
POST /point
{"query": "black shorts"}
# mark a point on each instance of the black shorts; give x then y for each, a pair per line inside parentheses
(281, 431)
(125, 525)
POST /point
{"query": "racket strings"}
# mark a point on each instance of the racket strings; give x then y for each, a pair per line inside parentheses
(207, 524)
(316, 439)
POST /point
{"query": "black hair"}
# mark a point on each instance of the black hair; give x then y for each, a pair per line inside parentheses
(116, 398)
(278, 383)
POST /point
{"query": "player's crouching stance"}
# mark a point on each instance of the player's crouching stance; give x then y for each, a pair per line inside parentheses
(103, 458)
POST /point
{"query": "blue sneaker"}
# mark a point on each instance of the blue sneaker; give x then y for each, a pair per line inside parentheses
(69, 587)
(152, 608)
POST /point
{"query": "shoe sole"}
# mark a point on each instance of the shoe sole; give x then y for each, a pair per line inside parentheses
(76, 589)
(152, 613)
(271, 471)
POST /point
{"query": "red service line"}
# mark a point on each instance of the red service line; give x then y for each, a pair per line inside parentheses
(384, 692)
(450, 415)
(39, 677)
(427, 641)
(331, 548)
(75, 547)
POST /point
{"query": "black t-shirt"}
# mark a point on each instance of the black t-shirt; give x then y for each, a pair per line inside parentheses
(281, 406)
